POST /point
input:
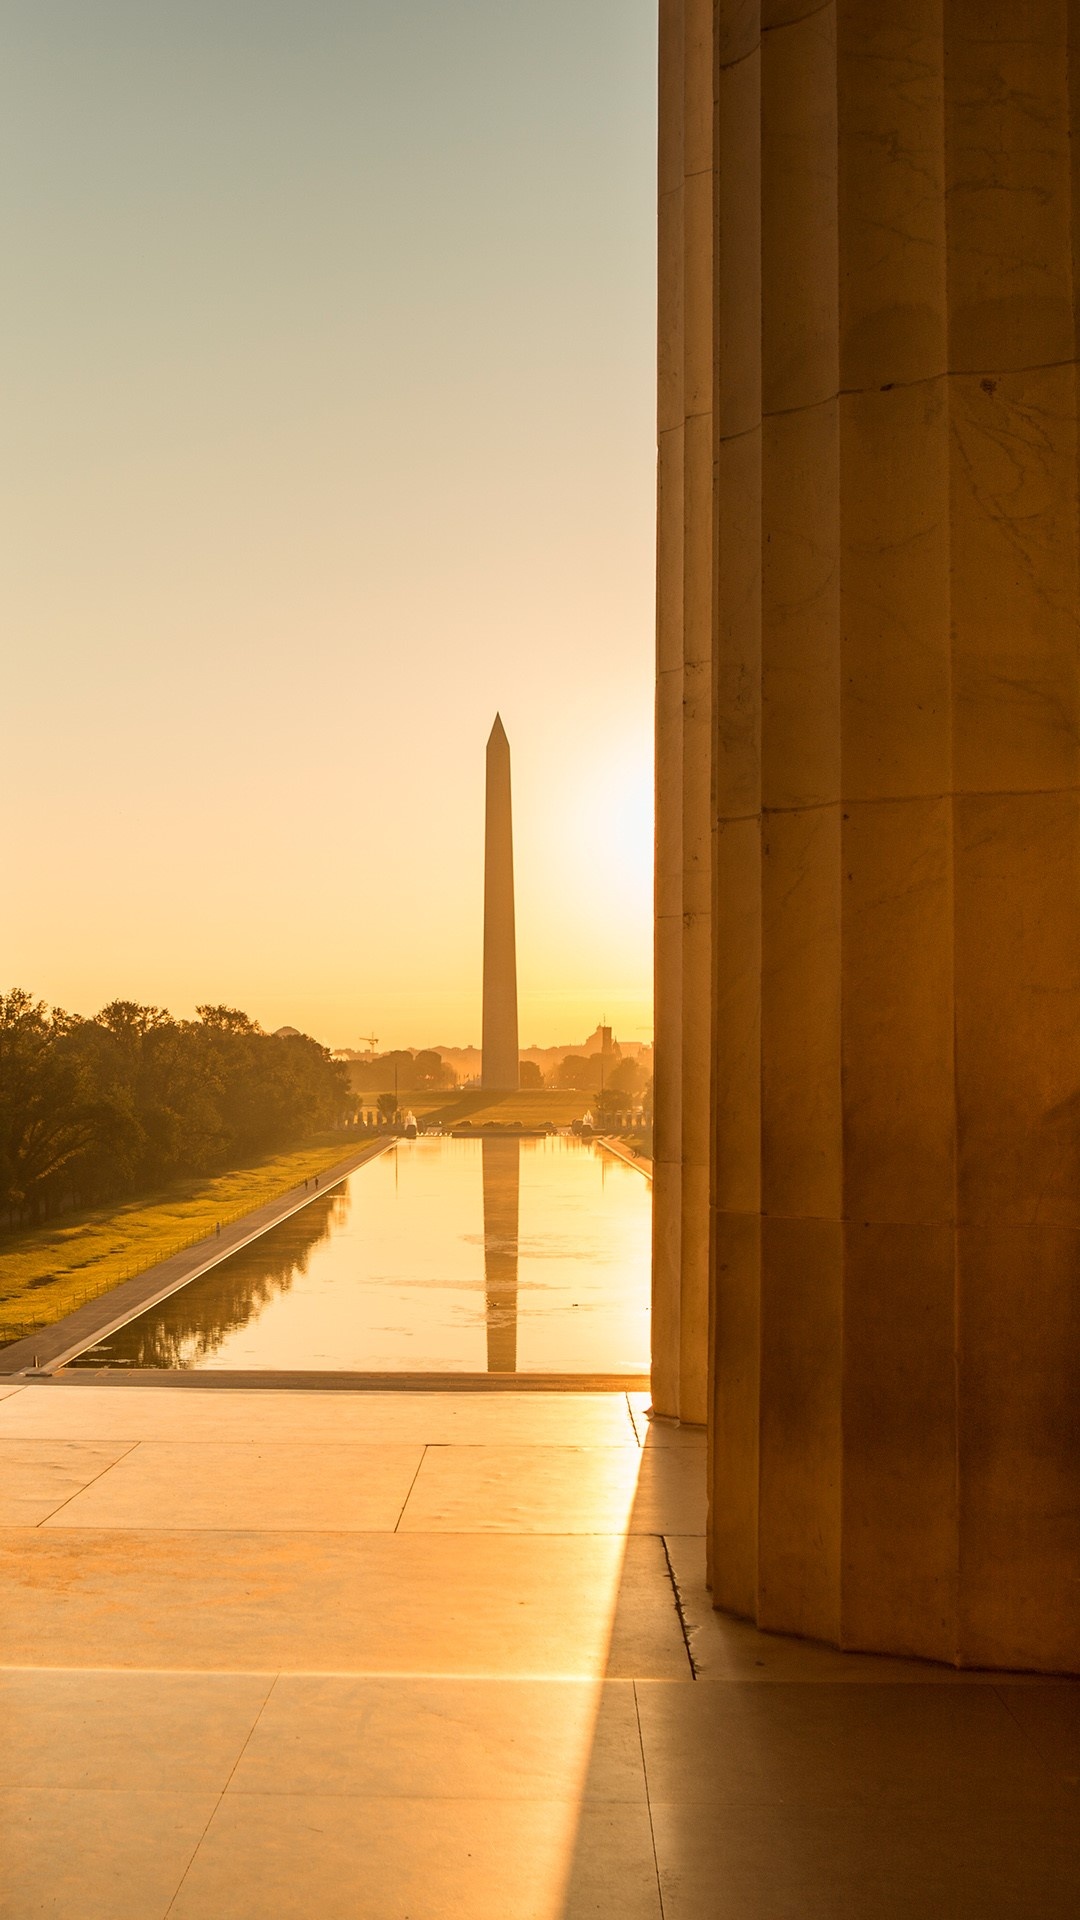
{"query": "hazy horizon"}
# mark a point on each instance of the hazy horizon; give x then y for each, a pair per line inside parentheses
(446, 1046)
(330, 433)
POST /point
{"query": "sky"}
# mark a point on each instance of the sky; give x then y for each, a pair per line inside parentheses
(327, 414)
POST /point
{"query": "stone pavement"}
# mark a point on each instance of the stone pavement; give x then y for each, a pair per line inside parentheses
(449, 1656)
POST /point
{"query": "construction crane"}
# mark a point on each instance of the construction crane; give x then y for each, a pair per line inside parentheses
(372, 1041)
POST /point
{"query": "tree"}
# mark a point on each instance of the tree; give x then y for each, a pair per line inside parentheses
(430, 1070)
(129, 1022)
(91, 1110)
(230, 1020)
(530, 1076)
(46, 1118)
(626, 1077)
(579, 1071)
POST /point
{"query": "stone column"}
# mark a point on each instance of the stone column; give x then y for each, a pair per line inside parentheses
(685, 621)
(894, 1020)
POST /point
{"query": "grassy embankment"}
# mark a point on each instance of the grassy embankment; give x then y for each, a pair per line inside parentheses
(48, 1271)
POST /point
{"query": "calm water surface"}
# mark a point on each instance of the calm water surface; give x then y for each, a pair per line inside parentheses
(502, 1255)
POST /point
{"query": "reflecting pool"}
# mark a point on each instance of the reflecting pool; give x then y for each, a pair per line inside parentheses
(497, 1255)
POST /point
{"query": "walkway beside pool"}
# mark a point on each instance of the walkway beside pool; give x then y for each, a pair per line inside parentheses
(48, 1346)
(449, 1656)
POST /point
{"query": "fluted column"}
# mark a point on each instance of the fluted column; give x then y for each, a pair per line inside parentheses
(686, 621)
(893, 1022)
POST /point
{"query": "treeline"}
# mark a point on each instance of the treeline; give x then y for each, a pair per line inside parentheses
(592, 1071)
(102, 1109)
(427, 1072)
(422, 1072)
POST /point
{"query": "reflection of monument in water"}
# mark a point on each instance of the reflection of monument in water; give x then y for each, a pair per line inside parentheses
(499, 1069)
(502, 1178)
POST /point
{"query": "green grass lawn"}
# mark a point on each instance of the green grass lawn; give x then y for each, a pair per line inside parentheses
(533, 1108)
(45, 1272)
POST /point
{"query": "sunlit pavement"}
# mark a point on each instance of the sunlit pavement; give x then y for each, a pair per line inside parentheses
(445, 1656)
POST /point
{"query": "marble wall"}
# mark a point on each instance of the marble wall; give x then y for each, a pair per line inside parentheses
(868, 945)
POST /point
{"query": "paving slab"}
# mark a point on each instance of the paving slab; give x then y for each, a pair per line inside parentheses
(38, 1477)
(509, 1489)
(1050, 1716)
(793, 1862)
(446, 1739)
(253, 1417)
(837, 1744)
(94, 1855)
(112, 1731)
(213, 1485)
(337, 1602)
(345, 1858)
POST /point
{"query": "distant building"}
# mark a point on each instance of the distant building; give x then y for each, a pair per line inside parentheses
(601, 1042)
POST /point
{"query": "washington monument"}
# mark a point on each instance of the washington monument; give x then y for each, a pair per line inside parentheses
(500, 1057)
